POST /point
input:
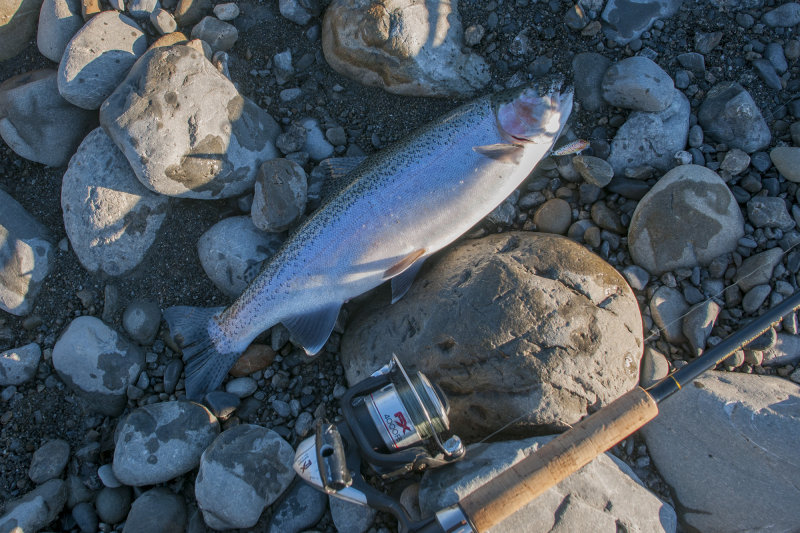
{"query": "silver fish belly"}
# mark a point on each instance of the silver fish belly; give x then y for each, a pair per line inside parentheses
(399, 207)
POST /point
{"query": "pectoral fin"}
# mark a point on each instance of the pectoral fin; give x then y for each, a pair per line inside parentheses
(504, 153)
(404, 264)
(312, 329)
(402, 282)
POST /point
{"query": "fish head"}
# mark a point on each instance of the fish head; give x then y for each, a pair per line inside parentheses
(532, 114)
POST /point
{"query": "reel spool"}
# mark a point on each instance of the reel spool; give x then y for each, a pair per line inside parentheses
(395, 423)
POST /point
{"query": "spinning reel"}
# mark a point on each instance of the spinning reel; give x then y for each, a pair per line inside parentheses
(394, 423)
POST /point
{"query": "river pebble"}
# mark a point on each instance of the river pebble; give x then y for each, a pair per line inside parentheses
(301, 507)
(19, 365)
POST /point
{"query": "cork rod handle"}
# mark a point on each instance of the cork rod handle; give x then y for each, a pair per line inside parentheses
(505, 494)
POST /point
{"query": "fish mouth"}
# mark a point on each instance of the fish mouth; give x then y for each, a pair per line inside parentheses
(530, 114)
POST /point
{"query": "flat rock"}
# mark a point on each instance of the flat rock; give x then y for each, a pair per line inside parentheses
(638, 83)
(25, 254)
(786, 15)
(688, 218)
(18, 365)
(165, 117)
(757, 269)
(232, 252)
(48, 461)
(626, 20)
(726, 445)
(605, 493)
(36, 509)
(161, 441)
(32, 118)
(280, 195)
(300, 508)
(98, 57)
(110, 217)
(157, 511)
(787, 160)
(769, 212)
(729, 115)
(59, 21)
(243, 471)
(390, 44)
(498, 323)
(589, 69)
(17, 24)
(97, 363)
(651, 138)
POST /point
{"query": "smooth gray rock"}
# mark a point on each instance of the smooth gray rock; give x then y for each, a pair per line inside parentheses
(785, 15)
(156, 511)
(184, 127)
(141, 320)
(300, 508)
(637, 276)
(85, 517)
(25, 251)
(589, 69)
(688, 218)
(220, 35)
(553, 216)
(498, 323)
(605, 493)
(391, 44)
(97, 363)
(729, 115)
(767, 73)
(163, 21)
(77, 491)
(113, 504)
(638, 83)
(626, 20)
(316, 144)
(726, 445)
(241, 387)
(227, 11)
(111, 219)
(33, 115)
(300, 11)
(280, 195)
(774, 54)
(142, 9)
(243, 471)
(161, 441)
(787, 160)
(106, 475)
(18, 365)
(36, 509)
(757, 269)
(652, 138)
(769, 212)
(735, 162)
(756, 296)
(654, 368)
(17, 25)
(232, 251)
(350, 517)
(593, 169)
(59, 21)
(667, 307)
(48, 461)
(785, 351)
(98, 57)
(697, 324)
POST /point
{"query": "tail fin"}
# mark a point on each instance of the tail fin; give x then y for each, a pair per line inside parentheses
(205, 367)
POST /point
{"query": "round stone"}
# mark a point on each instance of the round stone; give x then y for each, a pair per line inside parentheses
(787, 160)
(554, 216)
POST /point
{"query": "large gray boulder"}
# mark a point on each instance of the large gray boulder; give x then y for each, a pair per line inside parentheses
(98, 57)
(727, 446)
(25, 252)
(59, 21)
(110, 217)
(528, 328)
(184, 127)
(605, 493)
(33, 116)
(97, 363)
(245, 469)
(17, 24)
(410, 47)
(161, 441)
(688, 218)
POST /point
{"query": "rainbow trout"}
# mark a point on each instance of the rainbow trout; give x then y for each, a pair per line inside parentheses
(395, 209)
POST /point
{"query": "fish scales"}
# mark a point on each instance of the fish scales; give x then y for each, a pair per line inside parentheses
(396, 209)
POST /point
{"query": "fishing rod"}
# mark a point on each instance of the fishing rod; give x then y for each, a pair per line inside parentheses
(396, 423)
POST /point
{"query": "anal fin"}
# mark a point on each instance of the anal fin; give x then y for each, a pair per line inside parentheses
(402, 282)
(311, 330)
(504, 153)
